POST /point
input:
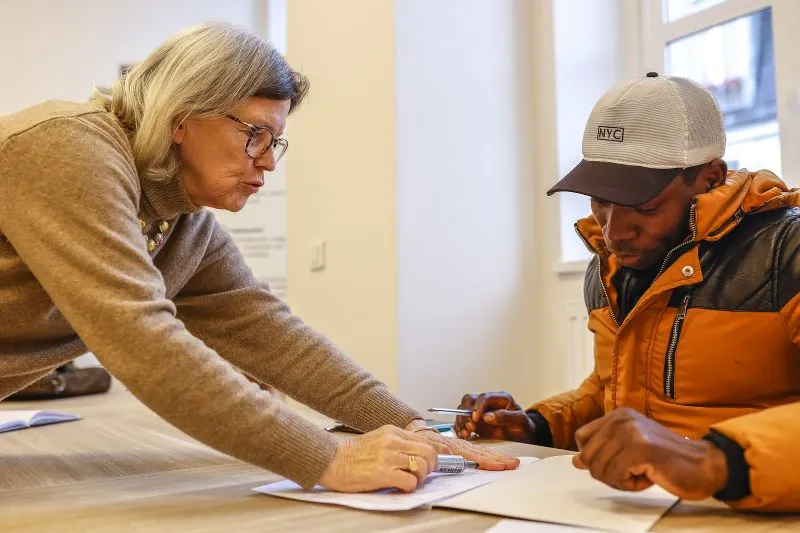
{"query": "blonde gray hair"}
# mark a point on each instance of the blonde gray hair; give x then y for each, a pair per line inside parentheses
(202, 71)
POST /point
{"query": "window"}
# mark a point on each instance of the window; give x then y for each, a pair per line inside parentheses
(743, 51)
(585, 67)
(675, 9)
(735, 61)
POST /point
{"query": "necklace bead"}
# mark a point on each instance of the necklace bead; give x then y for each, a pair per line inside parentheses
(156, 239)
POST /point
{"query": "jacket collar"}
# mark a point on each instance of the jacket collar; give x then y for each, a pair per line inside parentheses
(718, 211)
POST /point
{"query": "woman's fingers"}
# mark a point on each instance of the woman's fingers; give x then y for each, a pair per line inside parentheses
(413, 453)
(421, 466)
(438, 447)
(431, 438)
(402, 480)
(510, 461)
(423, 453)
(486, 458)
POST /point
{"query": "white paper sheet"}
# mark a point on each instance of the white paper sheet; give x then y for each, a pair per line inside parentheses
(552, 490)
(526, 526)
(436, 487)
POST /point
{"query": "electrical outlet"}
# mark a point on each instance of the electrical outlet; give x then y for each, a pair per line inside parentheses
(317, 256)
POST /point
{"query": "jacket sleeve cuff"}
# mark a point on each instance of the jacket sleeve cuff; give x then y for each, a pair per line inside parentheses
(544, 437)
(738, 486)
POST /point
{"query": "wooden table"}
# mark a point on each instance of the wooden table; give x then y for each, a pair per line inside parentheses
(124, 469)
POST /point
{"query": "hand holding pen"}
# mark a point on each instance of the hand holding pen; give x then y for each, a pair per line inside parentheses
(492, 415)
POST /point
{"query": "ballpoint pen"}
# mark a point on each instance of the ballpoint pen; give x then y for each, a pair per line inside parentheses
(463, 412)
(441, 427)
(453, 464)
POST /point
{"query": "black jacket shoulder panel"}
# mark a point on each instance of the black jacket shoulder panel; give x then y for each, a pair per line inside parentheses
(753, 268)
(592, 291)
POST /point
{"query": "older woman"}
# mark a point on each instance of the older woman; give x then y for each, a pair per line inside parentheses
(105, 245)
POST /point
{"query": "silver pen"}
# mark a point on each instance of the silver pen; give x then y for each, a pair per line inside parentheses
(453, 464)
(464, 412)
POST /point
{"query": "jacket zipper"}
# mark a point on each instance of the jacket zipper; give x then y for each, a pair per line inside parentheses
(605, 294)
(599, 274)
(669, 359)
(735, 218)
(681, 246)
(677, 325)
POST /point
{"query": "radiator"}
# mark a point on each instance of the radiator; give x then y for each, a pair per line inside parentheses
(579, 344)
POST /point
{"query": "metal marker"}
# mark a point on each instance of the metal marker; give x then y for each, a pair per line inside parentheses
(454, 464)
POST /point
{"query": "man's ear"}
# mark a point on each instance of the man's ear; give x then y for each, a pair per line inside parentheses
(715, 175)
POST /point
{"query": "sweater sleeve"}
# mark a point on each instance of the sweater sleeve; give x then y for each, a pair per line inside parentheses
(69, 207)
(225, 306)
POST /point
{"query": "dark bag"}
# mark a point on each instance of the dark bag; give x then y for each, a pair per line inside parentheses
(64, 382)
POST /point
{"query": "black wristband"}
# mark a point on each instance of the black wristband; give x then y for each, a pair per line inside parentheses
(543, 435)
(738, 485)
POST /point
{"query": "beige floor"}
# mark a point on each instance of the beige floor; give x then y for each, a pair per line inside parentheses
(123, 469)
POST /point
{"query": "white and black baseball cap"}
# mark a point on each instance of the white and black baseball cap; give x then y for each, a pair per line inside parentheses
(639, 132)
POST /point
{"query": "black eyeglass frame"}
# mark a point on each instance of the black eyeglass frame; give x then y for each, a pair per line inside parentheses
(255, 130)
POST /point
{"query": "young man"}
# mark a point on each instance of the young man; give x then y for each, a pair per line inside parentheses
(694, 302)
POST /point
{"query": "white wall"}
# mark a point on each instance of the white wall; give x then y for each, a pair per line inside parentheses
(412, 160)
(54, 49)
(442, 244)
(341, 177)
(464, 196)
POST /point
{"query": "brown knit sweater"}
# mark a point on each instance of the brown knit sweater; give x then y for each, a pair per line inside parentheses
(75, 274)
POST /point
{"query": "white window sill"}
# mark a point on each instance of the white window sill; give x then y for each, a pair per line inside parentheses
(570, 268)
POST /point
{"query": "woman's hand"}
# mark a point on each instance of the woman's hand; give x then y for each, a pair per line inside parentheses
(379, 460)
(486, 458)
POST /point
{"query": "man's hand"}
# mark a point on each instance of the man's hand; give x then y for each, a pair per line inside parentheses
(495, 415)
(629, 451)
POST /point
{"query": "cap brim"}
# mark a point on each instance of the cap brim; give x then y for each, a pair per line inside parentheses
(618, 184)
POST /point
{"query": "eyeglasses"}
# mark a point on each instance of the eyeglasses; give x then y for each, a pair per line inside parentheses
(261, 139)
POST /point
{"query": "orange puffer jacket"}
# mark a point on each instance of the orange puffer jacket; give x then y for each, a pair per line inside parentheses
(714, 342)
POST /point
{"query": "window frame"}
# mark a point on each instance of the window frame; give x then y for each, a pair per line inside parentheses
(657, 33)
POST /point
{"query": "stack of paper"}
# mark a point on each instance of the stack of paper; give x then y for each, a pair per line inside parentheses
(437, 487)
(549, 490)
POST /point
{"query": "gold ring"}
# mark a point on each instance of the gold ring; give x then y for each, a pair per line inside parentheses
(412, 464)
